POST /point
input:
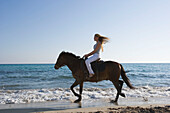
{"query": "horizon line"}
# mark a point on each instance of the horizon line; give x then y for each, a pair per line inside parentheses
(118, 62)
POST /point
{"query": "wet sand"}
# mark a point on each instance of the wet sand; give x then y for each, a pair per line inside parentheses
(119, 109)
(100, 106)
(108, 109)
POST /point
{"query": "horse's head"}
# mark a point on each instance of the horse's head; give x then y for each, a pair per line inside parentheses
(60, 61)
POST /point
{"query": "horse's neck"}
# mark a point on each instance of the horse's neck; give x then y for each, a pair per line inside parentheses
(72, 64)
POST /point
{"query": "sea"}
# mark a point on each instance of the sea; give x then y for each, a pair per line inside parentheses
(29, 83)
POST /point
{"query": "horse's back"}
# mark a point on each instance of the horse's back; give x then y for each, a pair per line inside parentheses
(112, 65)
(98, 66)
(111, 62)
(101, 65)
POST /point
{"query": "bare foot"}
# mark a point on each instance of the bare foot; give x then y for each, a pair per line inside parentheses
(91, 75)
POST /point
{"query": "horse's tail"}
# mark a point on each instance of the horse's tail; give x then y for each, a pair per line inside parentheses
(125, 78)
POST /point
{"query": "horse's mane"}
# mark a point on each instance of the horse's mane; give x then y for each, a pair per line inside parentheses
(71, 54)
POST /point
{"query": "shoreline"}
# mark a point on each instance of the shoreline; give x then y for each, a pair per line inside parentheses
(65, 94)
(85, 106)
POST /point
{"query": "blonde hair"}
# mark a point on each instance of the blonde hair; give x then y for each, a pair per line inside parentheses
(102, 39)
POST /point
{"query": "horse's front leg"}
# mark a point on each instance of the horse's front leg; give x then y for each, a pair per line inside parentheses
(74, 85)
(81, 89)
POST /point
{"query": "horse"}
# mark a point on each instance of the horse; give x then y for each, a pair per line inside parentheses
(112, 71)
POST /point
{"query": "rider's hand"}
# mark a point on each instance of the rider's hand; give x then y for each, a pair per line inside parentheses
(86, 55)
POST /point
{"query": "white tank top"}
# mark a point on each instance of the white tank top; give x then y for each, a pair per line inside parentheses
(98, 51)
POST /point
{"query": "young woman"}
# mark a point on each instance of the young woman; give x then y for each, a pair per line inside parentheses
(100, 40)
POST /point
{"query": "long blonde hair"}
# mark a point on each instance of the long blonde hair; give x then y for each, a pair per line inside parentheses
(102, 40)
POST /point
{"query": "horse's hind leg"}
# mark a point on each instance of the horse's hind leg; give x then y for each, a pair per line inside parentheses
(116, 84)
(121, 85)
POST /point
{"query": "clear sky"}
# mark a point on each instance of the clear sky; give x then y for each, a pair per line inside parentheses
(36, 31)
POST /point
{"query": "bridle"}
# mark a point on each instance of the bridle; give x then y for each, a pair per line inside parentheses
(57, 66)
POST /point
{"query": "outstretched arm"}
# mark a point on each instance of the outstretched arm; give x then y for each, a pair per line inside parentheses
(94, 51)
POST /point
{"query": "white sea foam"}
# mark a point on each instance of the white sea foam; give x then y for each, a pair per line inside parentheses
(56, 94)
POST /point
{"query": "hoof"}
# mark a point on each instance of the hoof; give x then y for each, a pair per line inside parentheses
(77, 101)
(123, 95)
(113, 101)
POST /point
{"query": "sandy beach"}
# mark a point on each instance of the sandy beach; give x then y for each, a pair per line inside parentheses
(107, 109)
(119, 109)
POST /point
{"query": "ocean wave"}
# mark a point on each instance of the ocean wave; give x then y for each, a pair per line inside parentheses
(20, 76)
(5, 86)
(57, 77)
(56, 94)
(22, 72)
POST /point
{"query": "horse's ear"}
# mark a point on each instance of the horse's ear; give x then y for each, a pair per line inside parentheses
(63, 52)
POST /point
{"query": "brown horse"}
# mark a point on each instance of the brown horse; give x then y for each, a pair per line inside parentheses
(112, 72)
